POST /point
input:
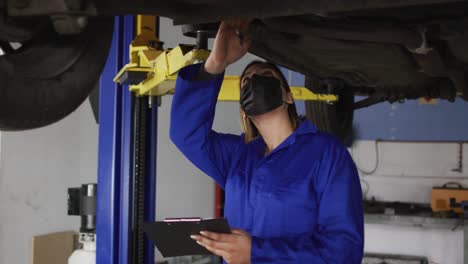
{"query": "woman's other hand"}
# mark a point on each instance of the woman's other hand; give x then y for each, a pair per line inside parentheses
(230, 45)
(234, 248)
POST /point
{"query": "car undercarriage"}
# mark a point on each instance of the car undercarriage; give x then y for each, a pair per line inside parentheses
(383, 50)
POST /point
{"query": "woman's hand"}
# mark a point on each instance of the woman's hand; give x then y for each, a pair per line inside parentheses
(234, 248)
(229, 46)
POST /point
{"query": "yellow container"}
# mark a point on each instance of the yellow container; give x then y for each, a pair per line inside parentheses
(440, 197)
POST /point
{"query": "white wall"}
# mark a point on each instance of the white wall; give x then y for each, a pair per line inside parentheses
(36, 168)
(407, 172)
(182, 189)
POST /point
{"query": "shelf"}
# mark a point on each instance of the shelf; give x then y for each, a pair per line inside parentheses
(425, 222)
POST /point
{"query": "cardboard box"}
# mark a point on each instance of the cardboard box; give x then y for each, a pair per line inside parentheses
(54, 248)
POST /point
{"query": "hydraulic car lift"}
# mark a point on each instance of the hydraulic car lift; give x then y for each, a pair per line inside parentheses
(152, 71)
(128, 133)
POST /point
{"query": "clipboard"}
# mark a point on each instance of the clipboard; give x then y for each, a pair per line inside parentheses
(172, 236)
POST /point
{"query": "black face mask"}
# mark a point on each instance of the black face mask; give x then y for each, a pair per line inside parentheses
(260, 95)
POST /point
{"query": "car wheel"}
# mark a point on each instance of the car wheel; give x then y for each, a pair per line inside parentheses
(48, 76)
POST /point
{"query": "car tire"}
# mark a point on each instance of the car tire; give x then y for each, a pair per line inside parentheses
(334, 118)
(51, 75)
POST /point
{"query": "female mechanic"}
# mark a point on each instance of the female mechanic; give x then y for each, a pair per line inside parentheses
(292, 192)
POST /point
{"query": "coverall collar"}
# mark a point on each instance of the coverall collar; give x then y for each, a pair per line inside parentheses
(306, 127)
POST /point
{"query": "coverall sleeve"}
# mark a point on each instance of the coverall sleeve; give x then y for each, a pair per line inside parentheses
(338, 237)
(192, 115)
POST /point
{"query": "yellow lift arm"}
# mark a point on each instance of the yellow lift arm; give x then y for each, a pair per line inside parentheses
(153, 71)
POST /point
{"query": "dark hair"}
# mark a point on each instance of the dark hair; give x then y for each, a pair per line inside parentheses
(251, 132)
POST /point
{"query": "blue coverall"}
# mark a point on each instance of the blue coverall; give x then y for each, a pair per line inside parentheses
(301, 203)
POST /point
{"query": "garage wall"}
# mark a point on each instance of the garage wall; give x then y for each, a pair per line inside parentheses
(36, 168)
(413, 120)
(407, 172)
(182, 189)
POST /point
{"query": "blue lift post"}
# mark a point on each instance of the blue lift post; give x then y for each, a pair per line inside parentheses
(119, 240)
